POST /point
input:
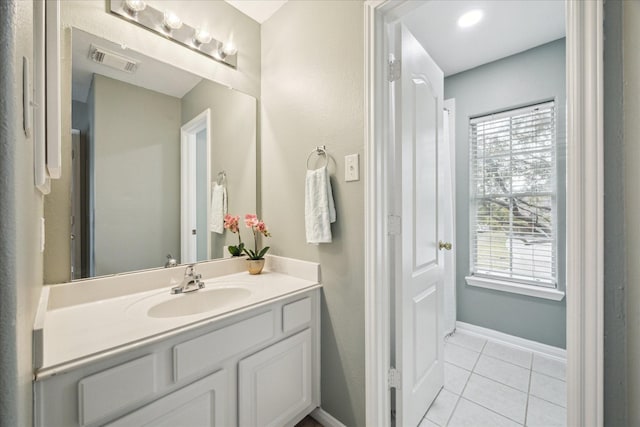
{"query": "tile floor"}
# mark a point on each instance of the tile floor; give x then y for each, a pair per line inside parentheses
(488, 383)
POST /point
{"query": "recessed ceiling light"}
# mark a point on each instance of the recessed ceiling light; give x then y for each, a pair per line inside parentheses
(470, 18)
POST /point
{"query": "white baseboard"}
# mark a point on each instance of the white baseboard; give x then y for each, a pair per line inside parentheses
(325, 418)
(534, 346)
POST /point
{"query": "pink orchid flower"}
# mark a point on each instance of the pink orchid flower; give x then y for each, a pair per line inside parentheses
(250, 220)
(256, 226)
(231, 223)
(262, 228)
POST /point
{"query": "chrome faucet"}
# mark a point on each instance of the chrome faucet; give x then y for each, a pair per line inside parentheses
(190, 283)
(171, 261)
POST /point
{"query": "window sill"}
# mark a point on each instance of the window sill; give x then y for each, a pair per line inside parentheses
(515, 288)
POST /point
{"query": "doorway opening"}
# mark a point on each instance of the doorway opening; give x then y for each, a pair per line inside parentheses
(195, 194)
(510, 231)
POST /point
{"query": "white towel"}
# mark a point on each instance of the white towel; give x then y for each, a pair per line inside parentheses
(319, 209)
(218, 208)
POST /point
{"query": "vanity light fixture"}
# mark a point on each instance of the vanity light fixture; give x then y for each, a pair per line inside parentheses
(169, 25)
(469, 19)
(133, 7)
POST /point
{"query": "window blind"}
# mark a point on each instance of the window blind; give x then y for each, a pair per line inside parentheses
(513, 191)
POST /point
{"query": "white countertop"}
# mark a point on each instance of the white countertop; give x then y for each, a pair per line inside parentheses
(76, 334)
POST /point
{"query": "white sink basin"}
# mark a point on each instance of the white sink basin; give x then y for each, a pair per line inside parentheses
(198, 302)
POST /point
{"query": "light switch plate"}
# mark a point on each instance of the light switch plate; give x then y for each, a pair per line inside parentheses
(351, 167)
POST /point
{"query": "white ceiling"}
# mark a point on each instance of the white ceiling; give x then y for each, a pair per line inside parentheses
(259, 10)
(508, 27)
(151, 74)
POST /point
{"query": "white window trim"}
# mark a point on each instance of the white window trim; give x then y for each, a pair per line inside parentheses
(515, 287)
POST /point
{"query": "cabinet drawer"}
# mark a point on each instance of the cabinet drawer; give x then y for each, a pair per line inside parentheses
(296, 314)
(116, 388)
(205, 352)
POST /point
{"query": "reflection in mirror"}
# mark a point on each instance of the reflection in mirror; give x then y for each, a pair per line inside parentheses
(149, 141)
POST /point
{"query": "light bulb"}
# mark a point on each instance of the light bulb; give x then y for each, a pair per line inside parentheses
(171, 21)
(132, 7)
(229, 49)
(201, 36)
(470, 18)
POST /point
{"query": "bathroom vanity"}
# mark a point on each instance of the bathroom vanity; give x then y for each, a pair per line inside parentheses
(242, 351)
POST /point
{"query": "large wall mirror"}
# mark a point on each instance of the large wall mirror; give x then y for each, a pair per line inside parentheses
(158, 154)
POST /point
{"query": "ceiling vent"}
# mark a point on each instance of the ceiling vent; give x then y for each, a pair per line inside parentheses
(111, 59)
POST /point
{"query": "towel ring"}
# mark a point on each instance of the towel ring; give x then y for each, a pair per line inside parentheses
(222, 178)
(319, 150)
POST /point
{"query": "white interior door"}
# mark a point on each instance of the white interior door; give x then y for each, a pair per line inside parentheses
(418, 102)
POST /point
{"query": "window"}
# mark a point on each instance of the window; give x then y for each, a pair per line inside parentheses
(513, 196)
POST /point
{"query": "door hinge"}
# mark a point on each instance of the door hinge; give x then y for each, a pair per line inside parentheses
(393, 225)
(394, 378)
(394, 70)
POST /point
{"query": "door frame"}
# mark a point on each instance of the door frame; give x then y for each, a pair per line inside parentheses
(585, 202)
(450, 106)
(188, 134)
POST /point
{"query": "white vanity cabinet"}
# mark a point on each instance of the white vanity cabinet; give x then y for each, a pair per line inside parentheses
(259, 366)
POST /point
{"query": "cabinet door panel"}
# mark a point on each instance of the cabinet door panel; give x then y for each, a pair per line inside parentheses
(116, 389)
(275, 383)
(200, 404)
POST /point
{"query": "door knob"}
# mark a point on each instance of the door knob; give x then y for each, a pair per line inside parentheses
(444, 245)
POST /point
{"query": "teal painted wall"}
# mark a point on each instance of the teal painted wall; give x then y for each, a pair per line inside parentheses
(525, 78)
(616, 374)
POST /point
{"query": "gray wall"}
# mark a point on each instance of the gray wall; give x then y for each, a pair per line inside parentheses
(631, 79)
(312, 94)
(80, 116)
(615, 304)
(20, 211)
(233, 148)
(136, 134)
(528, 77)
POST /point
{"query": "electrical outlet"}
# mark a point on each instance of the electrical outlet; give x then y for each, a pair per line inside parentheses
(351, 167)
